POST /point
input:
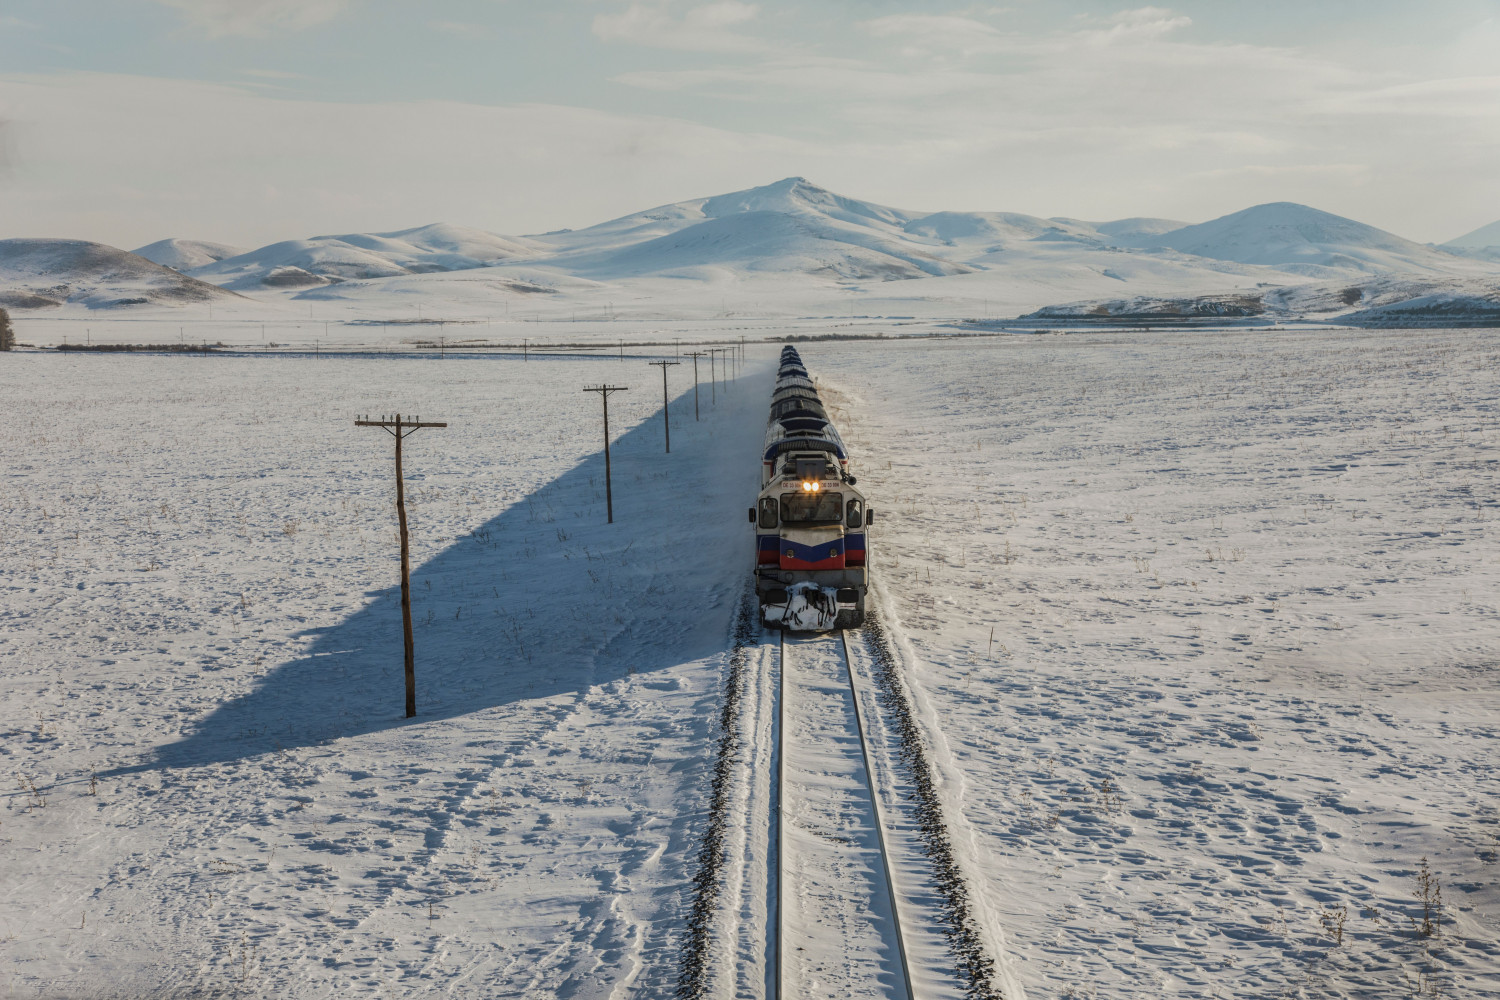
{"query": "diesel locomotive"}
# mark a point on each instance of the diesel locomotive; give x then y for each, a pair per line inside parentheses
(811, 523)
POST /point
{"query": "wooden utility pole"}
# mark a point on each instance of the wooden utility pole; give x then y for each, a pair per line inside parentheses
(665, 423)
(713, 380)
(695, 355)
(400, 430)
(604, 391)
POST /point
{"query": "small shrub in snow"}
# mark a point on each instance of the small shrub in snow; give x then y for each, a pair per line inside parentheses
(7, 332)
(1430, 894)
(1332, 918)
(34, 797)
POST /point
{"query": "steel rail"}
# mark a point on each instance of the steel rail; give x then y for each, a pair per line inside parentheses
(885, 854)
(780, 794)
(879, 816)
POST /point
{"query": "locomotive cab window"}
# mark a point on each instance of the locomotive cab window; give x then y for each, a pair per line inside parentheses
(768, 512)
(812, 508)
(856, 511)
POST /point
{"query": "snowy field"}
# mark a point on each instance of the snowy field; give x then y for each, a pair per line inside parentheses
(1243, 673)
(1245, 667)
(202, 675)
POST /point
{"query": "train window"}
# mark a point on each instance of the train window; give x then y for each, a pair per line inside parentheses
(855, 514)
(768, 512)
(812, 508)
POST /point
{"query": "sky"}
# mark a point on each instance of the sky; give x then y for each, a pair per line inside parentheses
(251, 121)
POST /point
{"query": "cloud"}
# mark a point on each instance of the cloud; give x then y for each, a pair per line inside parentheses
(1126, 114)
(936, 36)
(1456, 97)
(232, 164)
(220, 18)
(709, 27)
(1141, 23)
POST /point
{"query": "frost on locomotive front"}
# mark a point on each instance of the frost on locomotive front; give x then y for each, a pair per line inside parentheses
(811, 524)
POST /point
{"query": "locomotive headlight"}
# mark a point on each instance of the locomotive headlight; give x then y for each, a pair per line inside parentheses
(810, 487)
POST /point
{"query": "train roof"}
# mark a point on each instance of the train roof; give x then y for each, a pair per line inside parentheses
(806, 444)
(815, 425)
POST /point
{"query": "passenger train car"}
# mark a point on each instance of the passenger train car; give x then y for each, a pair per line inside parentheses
(811, 523)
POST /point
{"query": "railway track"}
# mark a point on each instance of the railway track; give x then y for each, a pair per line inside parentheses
(836, 927)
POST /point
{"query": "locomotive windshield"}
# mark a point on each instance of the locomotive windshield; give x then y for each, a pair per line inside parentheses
(812, 508)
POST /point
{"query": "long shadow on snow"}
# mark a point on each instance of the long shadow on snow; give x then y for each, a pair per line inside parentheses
(543, 599)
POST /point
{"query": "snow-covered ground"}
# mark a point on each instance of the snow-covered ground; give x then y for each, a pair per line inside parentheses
(1245, 664)
(1242, 587)
(202, 675)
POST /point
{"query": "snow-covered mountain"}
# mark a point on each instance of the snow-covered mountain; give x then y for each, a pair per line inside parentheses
(1139, 232)
(1302, 240)
(41, 273)
(982, 230)
(324, 259)
(791, 227)
(801, 246)
(184, 255)
(1482, 244)
(1484, 236)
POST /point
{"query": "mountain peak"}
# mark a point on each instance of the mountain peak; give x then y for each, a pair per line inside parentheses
(799, 196)
(1302, 239)
(1484, 236)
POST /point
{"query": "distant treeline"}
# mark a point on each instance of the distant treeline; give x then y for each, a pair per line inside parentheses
(158, 348)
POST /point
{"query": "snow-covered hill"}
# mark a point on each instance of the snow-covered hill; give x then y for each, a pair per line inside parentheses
(1484, 236)
(794, 248)
(184, 255)
(981, 230)
(818, 211)
(1302, 240)
(1482, 244)
(322, 259)
(40, 273)
(783, 242)
(1139, 232)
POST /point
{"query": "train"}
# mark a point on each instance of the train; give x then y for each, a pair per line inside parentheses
(811, 523)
